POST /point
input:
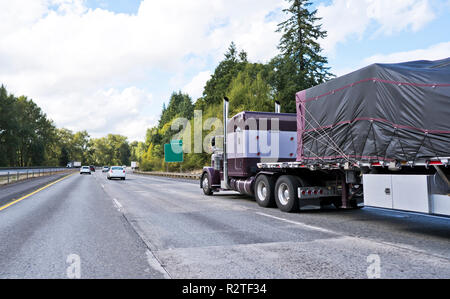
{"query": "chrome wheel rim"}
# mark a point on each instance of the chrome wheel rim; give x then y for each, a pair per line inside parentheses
(205, 184)
(262, 191)
(283, 194)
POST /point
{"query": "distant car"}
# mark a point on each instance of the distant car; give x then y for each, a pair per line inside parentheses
(105, 169)
(116, 172)
(92, 168)
(85, 170)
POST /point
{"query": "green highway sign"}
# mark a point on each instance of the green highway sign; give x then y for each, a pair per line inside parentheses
(173, 152)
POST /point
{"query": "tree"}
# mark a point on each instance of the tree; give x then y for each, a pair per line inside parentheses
(124, 153)
(180, 105)
(64, 157)
(29, 138)
(34, 131)
(217, 87)
(8, 129)
(250, 89)
(300, 64)
(137, 151)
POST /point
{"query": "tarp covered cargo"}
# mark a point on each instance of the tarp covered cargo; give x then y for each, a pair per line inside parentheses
(384, 112)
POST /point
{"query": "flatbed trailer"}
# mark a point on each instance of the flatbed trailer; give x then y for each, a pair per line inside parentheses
(386, 127)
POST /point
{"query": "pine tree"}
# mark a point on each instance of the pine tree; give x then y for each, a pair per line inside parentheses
(300, 42)
(300, 64)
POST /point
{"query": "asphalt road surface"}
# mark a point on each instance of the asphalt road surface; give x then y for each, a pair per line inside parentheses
(150, 227)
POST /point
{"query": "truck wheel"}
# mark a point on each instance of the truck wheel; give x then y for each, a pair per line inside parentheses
(206, 186)
(286, 194)
(264, 191)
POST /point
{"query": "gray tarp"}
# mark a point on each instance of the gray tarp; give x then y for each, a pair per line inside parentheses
(383, 112)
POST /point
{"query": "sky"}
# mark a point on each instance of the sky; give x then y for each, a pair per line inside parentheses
(107, 66)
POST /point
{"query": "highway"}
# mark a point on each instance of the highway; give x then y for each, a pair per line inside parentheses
(151, 227)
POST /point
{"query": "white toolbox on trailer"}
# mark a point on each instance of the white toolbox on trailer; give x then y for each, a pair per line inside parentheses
(440, 204)
(412, 193)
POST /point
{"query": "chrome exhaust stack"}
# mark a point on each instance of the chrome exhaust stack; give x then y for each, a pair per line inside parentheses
(226, 181)
(277, 107)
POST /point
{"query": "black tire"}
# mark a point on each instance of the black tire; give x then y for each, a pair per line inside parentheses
(123, 179)
(264, 191)
(286, 193)
(206, 185)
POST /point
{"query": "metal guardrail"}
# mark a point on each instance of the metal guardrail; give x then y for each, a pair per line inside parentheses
(188, 176)
(9, 176)
(30, 168)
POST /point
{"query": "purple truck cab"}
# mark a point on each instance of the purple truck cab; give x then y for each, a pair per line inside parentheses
(252, 138)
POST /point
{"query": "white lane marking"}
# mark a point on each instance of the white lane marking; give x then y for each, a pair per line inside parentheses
(117, 205)
(155, 264)
(306, 226)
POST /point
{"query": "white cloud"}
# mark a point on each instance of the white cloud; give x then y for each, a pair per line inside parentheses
(82, 65)
(195, 87)
(344, 19)
(103, 111)
(435, 52)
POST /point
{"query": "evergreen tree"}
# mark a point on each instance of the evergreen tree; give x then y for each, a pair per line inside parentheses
(180, 105)
(300, 64)
(217, 87)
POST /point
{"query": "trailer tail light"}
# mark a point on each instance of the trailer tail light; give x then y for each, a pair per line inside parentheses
(317, 192)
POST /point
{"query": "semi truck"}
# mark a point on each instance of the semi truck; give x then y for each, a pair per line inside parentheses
(74, 164)
(378, 137)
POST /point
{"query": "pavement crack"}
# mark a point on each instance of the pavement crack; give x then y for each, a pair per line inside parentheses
(152, 259)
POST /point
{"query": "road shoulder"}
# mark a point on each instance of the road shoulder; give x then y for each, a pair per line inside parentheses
(12, 192)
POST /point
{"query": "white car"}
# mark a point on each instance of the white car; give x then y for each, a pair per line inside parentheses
(116, 172)
(85, 170)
